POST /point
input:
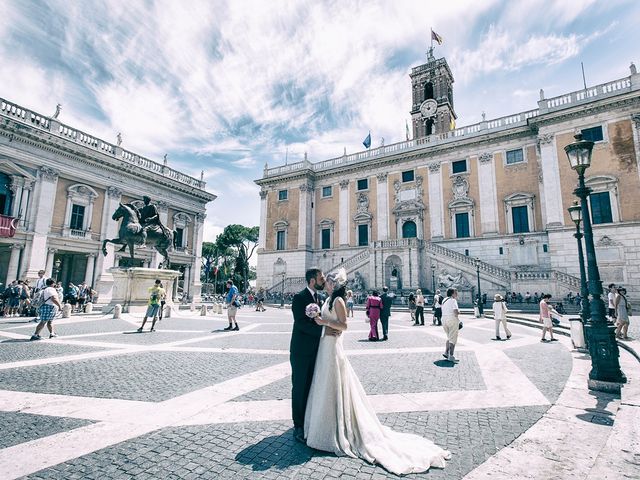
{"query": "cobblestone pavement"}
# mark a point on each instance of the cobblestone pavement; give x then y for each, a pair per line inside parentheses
(193, 401)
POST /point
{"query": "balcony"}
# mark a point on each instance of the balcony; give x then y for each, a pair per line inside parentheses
(8, 226)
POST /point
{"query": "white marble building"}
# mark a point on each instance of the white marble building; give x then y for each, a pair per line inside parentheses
(63, 185)
(497, 191)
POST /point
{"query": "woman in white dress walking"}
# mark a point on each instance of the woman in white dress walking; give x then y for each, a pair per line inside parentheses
(339, 417)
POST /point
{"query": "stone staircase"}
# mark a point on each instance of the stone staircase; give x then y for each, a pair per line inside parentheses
(354, 262)
(291, 284)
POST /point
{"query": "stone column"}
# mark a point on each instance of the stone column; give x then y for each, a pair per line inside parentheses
(17, 187)
(553, 208)
(436, 207)
(262, 239)
(49, 268)
(104, 278)
(636, 137)
(489, 223)
(43, 213)
(12, 271)
(304, 216)
(343, 219)
(88, 273)
(198, 233)
(382, 207)
(25, 203)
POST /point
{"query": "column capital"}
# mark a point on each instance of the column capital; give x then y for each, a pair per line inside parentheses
(90, 255)
(52, 250)
(28, 184)
(344, 184)
(306, 187)
(263, 194)
(200, 217)
(636, 120)
(545, 138)
(47, 173)
(114, 192)
(16, 246)
(162, 206)
(382, 177)
(485, 157)
(434, 167)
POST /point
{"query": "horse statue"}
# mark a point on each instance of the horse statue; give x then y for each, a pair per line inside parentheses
(132, 233)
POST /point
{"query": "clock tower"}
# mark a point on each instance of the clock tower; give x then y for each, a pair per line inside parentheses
(432, 98)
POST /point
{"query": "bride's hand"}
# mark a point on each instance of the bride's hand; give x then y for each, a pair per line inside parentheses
(332, 332)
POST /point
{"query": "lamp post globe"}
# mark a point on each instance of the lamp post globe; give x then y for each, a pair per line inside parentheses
(605, 374)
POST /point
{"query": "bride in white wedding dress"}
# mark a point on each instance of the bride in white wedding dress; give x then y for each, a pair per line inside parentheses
(339, 417)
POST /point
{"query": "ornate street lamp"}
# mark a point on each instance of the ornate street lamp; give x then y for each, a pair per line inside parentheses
(56, 268)
(480, 307)
(605, 374)
(282, 297)
(433, 277)
(575, 212)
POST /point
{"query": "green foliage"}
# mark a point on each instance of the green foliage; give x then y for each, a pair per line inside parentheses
(231, 252)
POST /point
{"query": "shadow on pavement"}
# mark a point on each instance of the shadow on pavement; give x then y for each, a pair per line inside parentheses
(277, 451)
(16, 340)
(444, 363)
(599, 414)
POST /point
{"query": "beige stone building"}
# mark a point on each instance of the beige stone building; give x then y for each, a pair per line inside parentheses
(62, 186)
(418, 213)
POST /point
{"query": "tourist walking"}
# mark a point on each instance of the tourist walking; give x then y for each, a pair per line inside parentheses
(546, 309)
(623, 310)
(451, 323)
(500, 316)
(373, 308)
(412, 306)
(47, 310)
(385, 313)
(349, 303)
(611, 297)
(419, 308)
(437, 308)
(233, 302)
(156, 294)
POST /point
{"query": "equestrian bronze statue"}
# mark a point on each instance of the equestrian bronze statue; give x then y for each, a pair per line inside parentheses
(140, 227)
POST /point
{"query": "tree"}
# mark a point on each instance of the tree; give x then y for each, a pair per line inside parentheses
(239, 243)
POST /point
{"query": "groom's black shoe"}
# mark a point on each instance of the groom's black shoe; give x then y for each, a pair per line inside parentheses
(298, 434)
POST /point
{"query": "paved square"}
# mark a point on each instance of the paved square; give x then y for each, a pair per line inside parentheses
(194, 401)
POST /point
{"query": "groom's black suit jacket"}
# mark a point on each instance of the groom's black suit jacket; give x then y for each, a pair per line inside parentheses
(305, 338)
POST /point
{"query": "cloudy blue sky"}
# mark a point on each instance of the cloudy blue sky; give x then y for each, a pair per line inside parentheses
(229, 85)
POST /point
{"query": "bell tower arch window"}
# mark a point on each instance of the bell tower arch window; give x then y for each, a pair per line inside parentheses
(428, 91)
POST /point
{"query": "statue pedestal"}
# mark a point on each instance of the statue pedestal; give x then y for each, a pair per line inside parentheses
(131, 287)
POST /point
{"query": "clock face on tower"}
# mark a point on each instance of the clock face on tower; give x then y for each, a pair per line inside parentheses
(428, 108)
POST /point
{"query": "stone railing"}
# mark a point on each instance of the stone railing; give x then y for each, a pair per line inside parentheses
(569, 280)
(290, 283)
(568, 100)
(486, 268)
(398, 243)
(53, 126)
(351, 261)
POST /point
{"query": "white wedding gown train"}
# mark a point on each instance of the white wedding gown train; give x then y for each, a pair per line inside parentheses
(340, 419)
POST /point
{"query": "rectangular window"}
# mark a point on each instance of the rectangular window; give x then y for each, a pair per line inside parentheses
(363, 235)
(462, 225)
(459, 167)
(600, 208)
(280, 245)
(326, 238)
(501, 250)
(466, 252)
(593, 134)
(178, 236)
(520, 218)
(327, 191)
(77, 217)
(283, 194)
(545, 247)
(363, 184)
(408, 176)
(515, 156)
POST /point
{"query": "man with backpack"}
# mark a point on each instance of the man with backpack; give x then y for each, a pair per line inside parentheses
(437, 308)
(156, 294)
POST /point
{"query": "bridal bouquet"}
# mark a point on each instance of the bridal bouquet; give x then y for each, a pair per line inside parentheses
(312, 310)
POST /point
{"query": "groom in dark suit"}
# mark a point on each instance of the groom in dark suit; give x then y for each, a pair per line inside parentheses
(305, 341)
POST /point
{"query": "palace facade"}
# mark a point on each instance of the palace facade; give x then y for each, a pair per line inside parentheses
(490, 197)
(61, 187)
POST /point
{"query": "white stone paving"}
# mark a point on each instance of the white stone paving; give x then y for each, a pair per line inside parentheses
(119, 420)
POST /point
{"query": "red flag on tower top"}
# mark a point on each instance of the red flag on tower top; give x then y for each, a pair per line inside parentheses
(436, 37)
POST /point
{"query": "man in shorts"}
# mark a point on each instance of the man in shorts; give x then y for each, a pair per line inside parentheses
(48, 310)
(156, 294)
(232, 305)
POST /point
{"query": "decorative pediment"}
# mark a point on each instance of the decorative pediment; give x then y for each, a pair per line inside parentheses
(462, 203)
(81, 190)
(362, 217)
(181, 220)
(519, 198)
(280, 225)
(601, 182)
(10, 168)
(607, 241)
(326, 223)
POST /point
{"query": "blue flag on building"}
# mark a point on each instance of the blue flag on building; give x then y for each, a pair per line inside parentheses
(367, 141)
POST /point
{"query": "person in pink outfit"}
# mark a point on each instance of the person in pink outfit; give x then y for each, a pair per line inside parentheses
(374, 307)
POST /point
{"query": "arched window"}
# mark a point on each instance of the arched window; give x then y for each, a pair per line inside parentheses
(428, 127)
(409, 229)
(428, 90)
